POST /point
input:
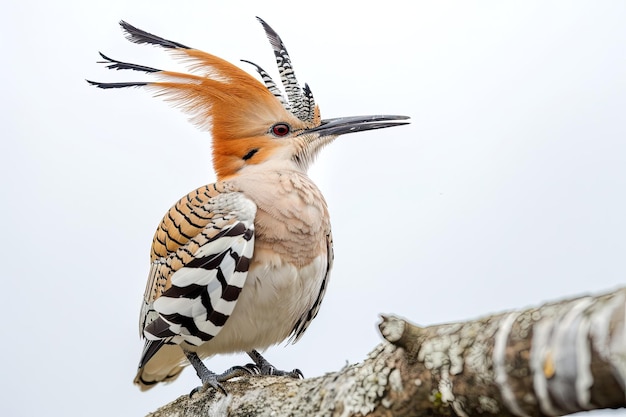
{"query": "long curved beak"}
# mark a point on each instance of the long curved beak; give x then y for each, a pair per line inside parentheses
(343, 125)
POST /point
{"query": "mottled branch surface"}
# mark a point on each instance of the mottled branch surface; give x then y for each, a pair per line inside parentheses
(556, 359)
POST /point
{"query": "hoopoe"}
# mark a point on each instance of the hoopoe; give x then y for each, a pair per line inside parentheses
(241, 264)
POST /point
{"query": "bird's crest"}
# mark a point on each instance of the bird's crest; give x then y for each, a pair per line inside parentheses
(216, 86)
(300, 100)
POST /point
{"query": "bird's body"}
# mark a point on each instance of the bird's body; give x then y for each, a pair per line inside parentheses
(286, 276)
(241, 264)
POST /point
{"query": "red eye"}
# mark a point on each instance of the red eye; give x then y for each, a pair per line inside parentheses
(280, 129)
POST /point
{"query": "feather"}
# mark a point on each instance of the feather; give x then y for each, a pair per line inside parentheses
(201, 255)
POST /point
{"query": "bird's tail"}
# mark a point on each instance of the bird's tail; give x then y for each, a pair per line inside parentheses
(164, 366)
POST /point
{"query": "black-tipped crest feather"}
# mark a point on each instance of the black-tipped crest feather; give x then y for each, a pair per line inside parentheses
(139, 36)
(117, 85)
(119, 65)
(301, 103)
(269, 84)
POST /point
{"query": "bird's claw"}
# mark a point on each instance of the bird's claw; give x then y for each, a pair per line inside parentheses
(211, 382)
(270, 370)
(214, 380)
(253, 368)
(262, 367)
(297, 374)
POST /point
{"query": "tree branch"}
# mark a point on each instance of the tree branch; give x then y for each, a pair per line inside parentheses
(556, 359)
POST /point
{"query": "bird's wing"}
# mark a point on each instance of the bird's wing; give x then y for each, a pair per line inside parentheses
(303, 323)
(200, 257)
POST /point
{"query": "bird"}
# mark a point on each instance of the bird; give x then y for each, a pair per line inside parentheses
(243, 263)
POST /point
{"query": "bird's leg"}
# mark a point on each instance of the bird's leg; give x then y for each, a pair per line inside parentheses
(266, 368)
(211, 379)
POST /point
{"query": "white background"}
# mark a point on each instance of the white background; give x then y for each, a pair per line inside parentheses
(507, 190)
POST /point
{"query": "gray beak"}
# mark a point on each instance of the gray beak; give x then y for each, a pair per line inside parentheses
(343, 125)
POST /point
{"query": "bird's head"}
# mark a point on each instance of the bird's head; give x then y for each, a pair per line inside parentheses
(253, 124)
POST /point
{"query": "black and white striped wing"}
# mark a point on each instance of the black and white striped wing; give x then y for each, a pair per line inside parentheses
(196, 286)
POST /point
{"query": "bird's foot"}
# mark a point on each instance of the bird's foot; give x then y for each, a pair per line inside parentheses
(262, 367)
(211, 379)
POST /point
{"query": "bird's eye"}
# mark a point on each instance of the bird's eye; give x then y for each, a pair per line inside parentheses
(280, 129)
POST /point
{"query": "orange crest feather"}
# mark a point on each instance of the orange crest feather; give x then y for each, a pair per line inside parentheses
(224, 99)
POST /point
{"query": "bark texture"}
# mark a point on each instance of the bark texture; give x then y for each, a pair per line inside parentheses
(553, 360)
